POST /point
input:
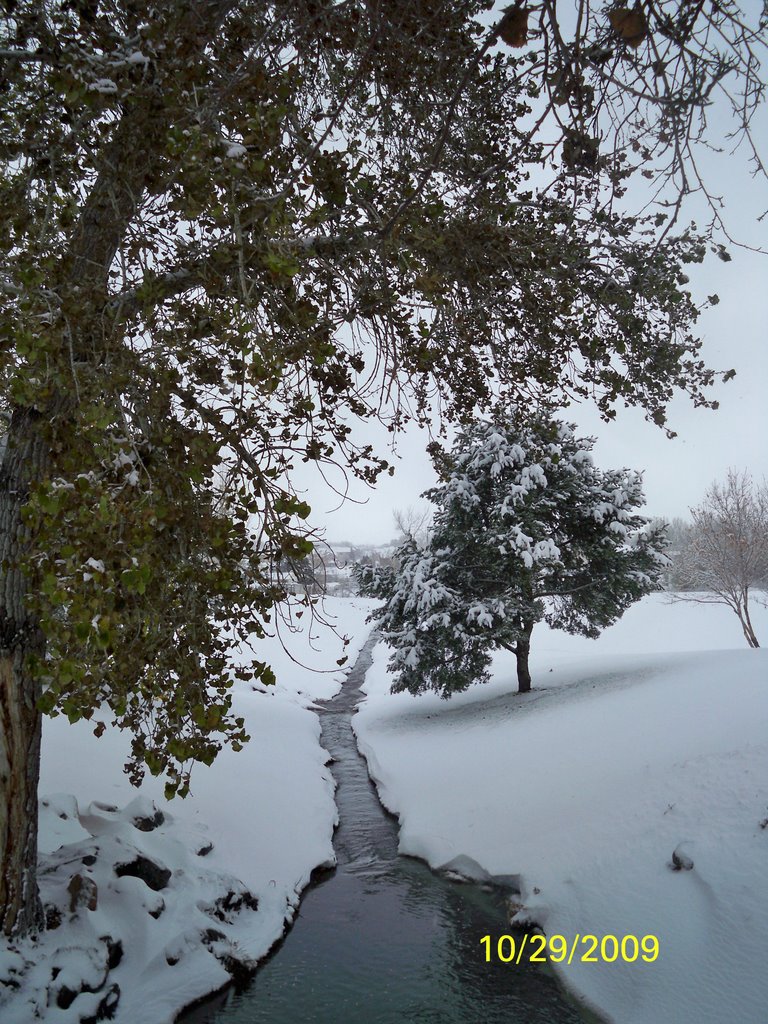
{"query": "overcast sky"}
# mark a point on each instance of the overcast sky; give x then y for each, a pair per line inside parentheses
(677, 472)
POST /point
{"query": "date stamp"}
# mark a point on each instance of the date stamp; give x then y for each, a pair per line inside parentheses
(557, 949)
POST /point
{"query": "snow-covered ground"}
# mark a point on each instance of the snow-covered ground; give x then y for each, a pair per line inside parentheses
(650, 740)
(256, 824)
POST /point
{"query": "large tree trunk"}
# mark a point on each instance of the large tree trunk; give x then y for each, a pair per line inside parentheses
(24, 458)
(20, 907)
(522, 652)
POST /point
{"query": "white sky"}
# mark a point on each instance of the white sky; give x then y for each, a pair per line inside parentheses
(677, 472)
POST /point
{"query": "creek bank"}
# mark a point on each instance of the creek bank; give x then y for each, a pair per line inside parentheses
(383, 938)
(262, 818)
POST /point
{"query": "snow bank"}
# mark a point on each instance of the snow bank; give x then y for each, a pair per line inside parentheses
(239, 850)
(585, 788)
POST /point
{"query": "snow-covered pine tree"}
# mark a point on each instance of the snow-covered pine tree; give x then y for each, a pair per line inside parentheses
(526, 528)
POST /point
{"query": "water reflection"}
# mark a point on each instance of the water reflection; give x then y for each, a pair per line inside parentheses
(383, 940)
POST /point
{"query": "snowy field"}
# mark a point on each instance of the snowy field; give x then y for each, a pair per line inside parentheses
(650, 740)
(254, 827)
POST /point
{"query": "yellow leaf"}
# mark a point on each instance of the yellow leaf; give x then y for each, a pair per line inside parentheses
(514, 27)
(630, 25)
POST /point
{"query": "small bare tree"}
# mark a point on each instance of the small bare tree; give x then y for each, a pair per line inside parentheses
(727, 553)
(414, 522)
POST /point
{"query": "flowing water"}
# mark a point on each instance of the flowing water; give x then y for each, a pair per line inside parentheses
(384, 940)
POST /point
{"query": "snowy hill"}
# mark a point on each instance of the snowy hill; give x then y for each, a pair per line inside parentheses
(632, 757)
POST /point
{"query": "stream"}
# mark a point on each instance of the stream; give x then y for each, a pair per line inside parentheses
(382, 939)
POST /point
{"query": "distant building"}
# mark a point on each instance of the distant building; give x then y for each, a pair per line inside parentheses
(328, 570)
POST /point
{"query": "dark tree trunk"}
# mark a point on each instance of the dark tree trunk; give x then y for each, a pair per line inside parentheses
(24, 458)
(522, 652)
(746, 624)
(20, 908)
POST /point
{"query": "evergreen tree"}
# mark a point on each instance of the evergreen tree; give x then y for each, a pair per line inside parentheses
(526, 528)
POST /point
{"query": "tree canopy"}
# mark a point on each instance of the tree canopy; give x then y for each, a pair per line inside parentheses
(525, 528)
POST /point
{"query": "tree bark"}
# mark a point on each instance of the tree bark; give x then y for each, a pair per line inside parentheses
(19, 774)
(24, 458)
(522, 653)
(746, 625)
